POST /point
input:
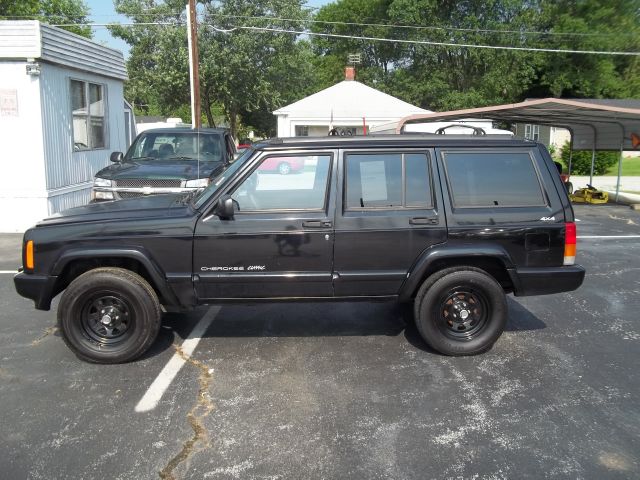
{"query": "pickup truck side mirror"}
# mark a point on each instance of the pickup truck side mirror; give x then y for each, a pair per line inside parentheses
(116, 157)
(225, 208)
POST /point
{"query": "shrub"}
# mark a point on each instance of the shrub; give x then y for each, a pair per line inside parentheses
(581, 160)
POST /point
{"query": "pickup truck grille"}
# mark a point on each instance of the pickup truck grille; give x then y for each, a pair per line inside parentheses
(144, 182)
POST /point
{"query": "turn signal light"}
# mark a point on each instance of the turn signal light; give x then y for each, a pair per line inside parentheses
(570, 240)
(29, 263)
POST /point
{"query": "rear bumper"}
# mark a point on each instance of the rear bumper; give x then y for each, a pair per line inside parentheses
(38, 288)
(545, 281)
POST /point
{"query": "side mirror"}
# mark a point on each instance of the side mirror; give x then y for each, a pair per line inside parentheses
(116, 157)
(225, 208)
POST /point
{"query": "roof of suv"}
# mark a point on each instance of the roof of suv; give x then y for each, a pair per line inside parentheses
(394, 140)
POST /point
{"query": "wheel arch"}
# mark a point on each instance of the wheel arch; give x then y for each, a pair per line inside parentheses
(492, 259)
(73, 263)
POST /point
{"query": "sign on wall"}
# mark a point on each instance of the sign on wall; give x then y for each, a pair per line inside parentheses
(8, 103)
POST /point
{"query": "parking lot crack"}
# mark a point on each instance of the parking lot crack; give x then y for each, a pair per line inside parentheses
(48, 331)
(195, 417)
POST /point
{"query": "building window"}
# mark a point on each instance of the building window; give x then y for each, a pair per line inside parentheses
(88, 113)
(302, 130)
(532, 132)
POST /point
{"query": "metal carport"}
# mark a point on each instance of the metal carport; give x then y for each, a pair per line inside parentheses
(594, 124)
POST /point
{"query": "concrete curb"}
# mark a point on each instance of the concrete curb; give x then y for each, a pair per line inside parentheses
(624, 198)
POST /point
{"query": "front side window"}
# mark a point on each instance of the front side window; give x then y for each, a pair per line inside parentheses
(88, 111)
(387, 180)
(491, 179)
(295, 182)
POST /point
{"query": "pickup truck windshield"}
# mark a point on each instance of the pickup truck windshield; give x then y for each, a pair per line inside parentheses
(204, 194)
(177, 146)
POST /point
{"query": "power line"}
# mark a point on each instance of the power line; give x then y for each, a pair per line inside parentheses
(427, 42)
(360, 24)
(424, 27)
(357, 37)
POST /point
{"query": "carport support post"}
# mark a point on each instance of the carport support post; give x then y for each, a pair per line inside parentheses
(593, 163)
(619, 169)
(570, 153)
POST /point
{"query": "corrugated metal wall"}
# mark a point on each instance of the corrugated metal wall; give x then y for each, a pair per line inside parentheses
(63, 166)
(69, 200)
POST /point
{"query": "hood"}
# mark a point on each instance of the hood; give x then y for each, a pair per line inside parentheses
(160, 169)
(153, 206)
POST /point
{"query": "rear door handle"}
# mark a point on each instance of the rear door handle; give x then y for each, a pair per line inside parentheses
(424, 221)
(316, 223)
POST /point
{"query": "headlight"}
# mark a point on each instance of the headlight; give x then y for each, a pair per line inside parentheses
(102, 195)
(198, 183)
(101, 182)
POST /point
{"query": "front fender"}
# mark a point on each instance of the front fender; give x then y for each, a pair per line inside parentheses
(157, 277)
(424, 264)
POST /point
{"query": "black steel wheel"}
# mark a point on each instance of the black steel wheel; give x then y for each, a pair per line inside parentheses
(109, 315)
(460, 311)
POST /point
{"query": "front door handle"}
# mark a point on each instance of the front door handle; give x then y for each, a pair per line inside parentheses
(424, 221)
(316, 223)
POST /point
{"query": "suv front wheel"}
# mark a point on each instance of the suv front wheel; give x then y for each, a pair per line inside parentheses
(109, 315)
(460, 311)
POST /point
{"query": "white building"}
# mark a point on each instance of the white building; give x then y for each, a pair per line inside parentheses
(62, 112)
(347, 106)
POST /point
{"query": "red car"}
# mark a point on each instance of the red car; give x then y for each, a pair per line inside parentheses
(283, 165)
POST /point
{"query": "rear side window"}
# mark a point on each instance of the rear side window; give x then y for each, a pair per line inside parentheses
(491, 179)
(387, 180)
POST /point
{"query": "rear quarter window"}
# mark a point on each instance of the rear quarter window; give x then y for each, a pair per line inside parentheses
(492, 179)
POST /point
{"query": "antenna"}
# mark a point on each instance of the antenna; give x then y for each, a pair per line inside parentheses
(354, 59)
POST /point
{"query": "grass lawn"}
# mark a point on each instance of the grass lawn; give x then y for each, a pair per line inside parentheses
(630, 167)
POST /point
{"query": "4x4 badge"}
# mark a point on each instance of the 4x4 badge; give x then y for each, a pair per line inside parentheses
(548, 219)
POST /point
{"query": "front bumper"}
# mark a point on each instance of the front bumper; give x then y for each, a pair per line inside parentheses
(547, 280)
(38, 288)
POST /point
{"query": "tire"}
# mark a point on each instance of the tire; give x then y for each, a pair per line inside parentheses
(115, 295)
(284, 168)
(449, 294)
(569, 187)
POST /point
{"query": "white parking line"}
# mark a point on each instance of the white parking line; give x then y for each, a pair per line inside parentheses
(9, 271)
(154, 393)
(608, 236)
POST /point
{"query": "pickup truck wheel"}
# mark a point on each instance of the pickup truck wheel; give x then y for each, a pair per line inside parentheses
(460, 311)
(284, 168)
(109, 315)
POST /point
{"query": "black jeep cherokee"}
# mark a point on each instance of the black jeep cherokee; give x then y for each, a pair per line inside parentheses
(448, 223)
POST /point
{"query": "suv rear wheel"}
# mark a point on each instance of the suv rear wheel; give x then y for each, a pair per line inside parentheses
(109, 315)
(460, 311)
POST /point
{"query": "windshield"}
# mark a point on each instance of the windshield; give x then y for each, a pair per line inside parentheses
(178, 145)
(204, 194)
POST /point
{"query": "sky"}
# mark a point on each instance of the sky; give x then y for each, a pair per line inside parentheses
(102, 11)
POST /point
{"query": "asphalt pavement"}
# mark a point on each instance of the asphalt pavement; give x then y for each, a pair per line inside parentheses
(341, 390)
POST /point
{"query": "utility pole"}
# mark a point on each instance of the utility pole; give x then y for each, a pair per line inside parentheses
(194, 60)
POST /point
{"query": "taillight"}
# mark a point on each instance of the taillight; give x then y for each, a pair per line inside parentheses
(28, 255)
(569, 243)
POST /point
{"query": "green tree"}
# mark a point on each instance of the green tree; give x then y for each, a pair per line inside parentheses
(581, 160)
(49, 11)
(590, 25)
(246, 74)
